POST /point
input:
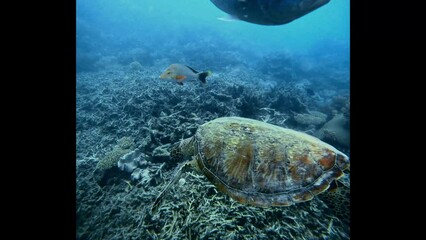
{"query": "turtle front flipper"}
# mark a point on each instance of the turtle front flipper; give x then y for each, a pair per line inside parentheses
(160, 197)
(179, 151)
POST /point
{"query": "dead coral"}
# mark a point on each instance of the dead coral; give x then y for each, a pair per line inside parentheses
(195, 210)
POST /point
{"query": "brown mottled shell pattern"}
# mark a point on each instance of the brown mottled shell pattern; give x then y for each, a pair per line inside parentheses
(265, 165)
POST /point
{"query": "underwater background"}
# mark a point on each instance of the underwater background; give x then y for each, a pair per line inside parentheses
(295, 75)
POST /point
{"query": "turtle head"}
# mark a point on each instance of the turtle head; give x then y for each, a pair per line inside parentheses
(182, 149)
(176, 153)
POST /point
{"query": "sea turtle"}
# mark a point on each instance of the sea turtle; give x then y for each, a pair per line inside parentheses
(259, 163)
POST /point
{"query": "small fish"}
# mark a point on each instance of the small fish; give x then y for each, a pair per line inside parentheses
(268, 12)
(180, 72)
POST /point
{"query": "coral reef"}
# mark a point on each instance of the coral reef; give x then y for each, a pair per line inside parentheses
(194, 210)
(281, 65)
(120, 110)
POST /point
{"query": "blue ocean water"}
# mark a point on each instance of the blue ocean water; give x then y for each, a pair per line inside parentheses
(114, 25)
(295, 75)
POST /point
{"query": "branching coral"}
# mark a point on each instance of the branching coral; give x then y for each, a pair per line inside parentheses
(195, 210)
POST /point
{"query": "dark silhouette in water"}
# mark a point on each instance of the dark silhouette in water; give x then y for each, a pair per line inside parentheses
(268, 12)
